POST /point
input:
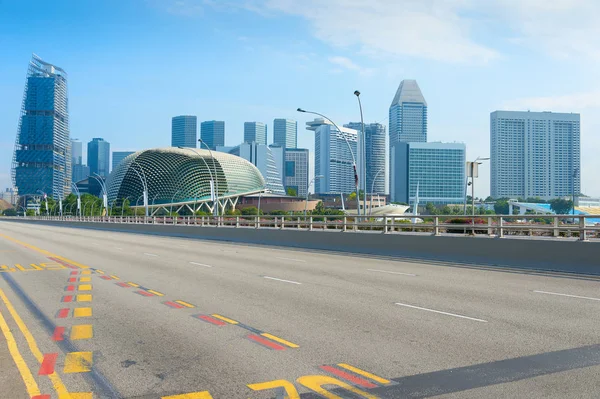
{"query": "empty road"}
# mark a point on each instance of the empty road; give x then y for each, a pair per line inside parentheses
(96, 314)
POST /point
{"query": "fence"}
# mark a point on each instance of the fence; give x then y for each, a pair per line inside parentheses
(569, 226)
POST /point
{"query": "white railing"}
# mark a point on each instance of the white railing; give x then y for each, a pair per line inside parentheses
(567, 226)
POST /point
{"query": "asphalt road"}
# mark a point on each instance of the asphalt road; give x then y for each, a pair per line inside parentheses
(118, 315)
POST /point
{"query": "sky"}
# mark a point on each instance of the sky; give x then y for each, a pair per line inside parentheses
(134, 64)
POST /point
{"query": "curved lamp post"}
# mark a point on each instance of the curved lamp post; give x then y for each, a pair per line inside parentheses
(372, 188)
(216, 177)
(209, 172)
(98, 178)
(144, 184)
(351, 153)
(123, 205)
(74, 187)
(363, 154)
(172, 200)
(471, 165)
(307, 188)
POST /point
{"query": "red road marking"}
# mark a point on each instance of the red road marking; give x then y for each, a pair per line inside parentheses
(210, 320)
(41, 397)
(123, 285)
(74, 273)
(70, 288)
(63, 313)
(173, 305)
(67, 298)
(58, 334)
(72, 280)
(47, 366)
(349, 377)
(105, 278)
(144, 293)
(266, 342)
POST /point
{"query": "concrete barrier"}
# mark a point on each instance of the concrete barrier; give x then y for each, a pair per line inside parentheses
(530, 254)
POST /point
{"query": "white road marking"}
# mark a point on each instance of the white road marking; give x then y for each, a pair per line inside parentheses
(570, 296)
(385, 271)
(145, 253)
(200, 264)
(285, 281)
(440, 312)
(292, 259)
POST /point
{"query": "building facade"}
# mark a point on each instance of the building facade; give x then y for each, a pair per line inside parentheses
(76, 152)
(296, 170)
(184, 131)
(375, 144)
(333, 158)
(255, 132)
(99, 157)
(42, 157)
(118, 156)
(408, 114)
(80, 172)
(534, 154)
(436, 169)
(213, 133)
(285, 133)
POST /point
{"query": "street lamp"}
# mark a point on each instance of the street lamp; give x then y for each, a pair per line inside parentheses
(351, 153)
(216, 176)
(45, 198)
(372, 188)
(472, 172)
(123, 205)
(99, 178)
(74, 187)
(144, 184)
(172, 200)
(307, 188)
(363, 154)
(575, 172)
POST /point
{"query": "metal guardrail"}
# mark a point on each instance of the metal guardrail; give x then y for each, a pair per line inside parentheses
(569, 226)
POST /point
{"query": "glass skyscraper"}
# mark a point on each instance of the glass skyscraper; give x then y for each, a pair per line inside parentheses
(375, 155)
(408, 114)
(99, 157)
(534, 154)
(118, 156)
(76, 152)
(42, 157)
(296, 170)
(285, 133)
(213, 133)
(255, 132)
(437, 169)
(184, 131)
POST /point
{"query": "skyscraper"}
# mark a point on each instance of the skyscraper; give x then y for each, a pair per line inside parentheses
(534, 154)
(76, 152)
(408, 114)
(437, 169)
(285, 133)
(42, 158)
(213, 133)
(80, 172)
(255, 132)
(296, 170)
(184, 131)
(375, 155)
(333, 159)
(118, 156)
(99, 157)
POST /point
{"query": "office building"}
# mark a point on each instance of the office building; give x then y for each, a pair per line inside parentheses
(9, 195)
(285, 133)
(408, 114)
(76, 152)
(213, 134)
(184, 131)
(534, 154)
(118, 156)
(333, 157)
(42, 157)
(80, 172)
(255, 132)
(436, 169)
(99, 157)
(375, 155)
(262, 157)
(296, 170)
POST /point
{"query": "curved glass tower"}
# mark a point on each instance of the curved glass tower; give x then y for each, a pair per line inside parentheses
(42, 158)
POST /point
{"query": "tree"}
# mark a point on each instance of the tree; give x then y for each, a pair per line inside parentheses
(501, 207)
(291, 191)
(250, 211)
(320, 208)
(352, 195)
(489, 199)
(430, 208)
(561, 206)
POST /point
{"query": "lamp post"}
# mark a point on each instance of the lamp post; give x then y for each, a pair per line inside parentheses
(307, 188)
(144, 184)
(45, 199)
(472, 172)
(99, 178)
(373, 188)
(74, 187)
(123, 206)
(172, 200)
(351, 153)
(216, 177)
(575, 172)
(363, 153)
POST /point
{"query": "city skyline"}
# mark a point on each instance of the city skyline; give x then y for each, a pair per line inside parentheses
(463, 85)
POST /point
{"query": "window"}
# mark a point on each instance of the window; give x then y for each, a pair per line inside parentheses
(290, 168)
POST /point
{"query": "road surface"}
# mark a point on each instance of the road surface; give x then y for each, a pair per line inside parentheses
(101, 314)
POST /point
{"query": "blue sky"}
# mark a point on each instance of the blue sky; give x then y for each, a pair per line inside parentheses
(133, 64)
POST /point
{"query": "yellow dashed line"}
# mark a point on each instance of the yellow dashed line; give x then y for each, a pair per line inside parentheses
(85, 287)
(191, 395)
(280, 340)
(84, 298)
(82, 312)
(364, 373)
(78, 362)
(78, 395)
(115, 277)
(133, 284)
(225, 319)
(187, 305)
(86, 272)
(99, 271)
(156, 293)
(83, 331)
(85, 279)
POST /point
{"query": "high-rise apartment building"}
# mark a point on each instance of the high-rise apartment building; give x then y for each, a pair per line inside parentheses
(333, 159)
(118, 156)
(436, 169)
(296, 170)
(534, 154)
(375, 155)
(76, 152)
(42, 157)
(285, 133)
(99, 157)
(255, 132)
(213, 133)
(184, 131)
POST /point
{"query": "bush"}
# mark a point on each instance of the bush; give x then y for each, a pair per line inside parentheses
(467, 222)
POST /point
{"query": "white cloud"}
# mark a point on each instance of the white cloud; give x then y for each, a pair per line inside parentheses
(348, 64)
